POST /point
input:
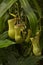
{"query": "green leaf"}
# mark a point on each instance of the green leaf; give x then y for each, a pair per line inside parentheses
(5, 43)
(4, 35)
(31, 15)
(5, 5)
(37, 7)
(31, 60)
(3, 22)
(1, 27)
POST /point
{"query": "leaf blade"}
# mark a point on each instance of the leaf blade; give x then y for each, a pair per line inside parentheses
(6, 6)
(5, 43)
(30, 15)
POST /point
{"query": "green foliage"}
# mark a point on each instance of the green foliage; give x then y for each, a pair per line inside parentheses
(5, 43)
(24, 54)
(31, 16)
(37, 7)
(29, 61)
(5, 5)
(3, 22)
(4, 35)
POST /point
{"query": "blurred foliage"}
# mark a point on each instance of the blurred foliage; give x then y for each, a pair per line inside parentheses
(31, 13)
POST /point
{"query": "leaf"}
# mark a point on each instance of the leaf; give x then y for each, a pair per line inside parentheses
(5, 43)
(1, 27)
(4, 35)
(31, 60)
(3, 22)
(37, 7)
(31, 15)
(5, 5)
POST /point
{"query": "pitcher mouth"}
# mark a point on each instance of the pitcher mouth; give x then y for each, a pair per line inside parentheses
(20, 23)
